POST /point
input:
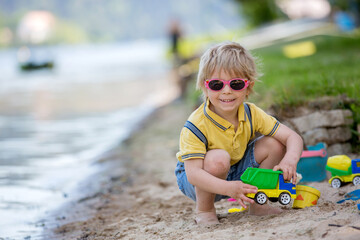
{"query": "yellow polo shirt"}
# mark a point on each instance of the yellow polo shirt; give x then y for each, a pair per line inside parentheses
(205, 130)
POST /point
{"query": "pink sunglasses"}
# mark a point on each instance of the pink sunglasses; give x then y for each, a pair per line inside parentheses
(236, 84)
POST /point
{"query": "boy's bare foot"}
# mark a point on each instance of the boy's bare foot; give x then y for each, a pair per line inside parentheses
(206, 218)
(261, 210)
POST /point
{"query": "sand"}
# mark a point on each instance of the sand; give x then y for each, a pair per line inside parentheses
(144, 202)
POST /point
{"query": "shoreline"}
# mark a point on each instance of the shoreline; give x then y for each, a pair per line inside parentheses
(117, 175)
(112, 175)
(144, 202)
(49, 146)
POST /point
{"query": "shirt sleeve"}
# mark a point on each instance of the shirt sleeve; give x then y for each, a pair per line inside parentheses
(264, 123)
(190, 146)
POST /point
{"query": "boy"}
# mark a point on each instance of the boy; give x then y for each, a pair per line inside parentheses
(216, 143)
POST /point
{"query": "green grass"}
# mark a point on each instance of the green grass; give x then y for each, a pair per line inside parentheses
(333, 70)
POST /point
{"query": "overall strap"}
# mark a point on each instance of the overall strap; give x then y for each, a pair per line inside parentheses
(189, 125)
(248, 114)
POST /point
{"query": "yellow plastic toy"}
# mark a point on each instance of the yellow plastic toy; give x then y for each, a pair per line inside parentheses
(234, 210)
(343, 169)
(305, 196)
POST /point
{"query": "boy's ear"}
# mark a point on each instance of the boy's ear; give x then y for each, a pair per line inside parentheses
(249, 89)
(251, 85)
(205, 93)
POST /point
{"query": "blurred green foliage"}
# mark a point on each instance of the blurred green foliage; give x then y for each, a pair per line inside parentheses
(259, 12)
(345, 5)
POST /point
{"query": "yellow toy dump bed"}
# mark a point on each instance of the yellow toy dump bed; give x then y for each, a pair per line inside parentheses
(339, 165)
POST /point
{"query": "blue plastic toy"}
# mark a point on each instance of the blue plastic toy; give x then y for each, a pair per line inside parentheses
(354, 195)
(312, 163)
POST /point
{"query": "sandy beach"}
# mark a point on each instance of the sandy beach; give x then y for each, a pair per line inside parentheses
(144, 202)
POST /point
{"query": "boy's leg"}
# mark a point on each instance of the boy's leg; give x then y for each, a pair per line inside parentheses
(217, 163)
(268, 152)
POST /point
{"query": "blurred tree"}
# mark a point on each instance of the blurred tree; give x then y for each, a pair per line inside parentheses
(259, 12)
(345, 5)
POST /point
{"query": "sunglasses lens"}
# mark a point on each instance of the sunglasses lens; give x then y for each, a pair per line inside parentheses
(237, 84)
(216, 85)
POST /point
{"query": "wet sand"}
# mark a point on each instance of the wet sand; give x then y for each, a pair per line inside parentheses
(144, 201)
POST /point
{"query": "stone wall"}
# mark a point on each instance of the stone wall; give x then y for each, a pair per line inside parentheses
(331, 127)
(324, 120)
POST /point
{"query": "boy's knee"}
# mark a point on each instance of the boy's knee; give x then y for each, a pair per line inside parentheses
(269, 147)
(217, 162)
(277, 147)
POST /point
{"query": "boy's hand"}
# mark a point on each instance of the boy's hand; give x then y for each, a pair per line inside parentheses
(238, 191)
(289, 171)
(294, 144)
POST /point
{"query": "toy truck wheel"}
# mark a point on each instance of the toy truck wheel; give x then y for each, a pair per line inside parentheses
(260, 198)
(284, 198)
(356, 181)
(335, 183)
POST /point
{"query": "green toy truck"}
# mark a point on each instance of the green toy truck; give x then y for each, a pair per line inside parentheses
(270, 184)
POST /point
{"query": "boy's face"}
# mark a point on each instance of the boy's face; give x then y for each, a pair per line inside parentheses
(225, 102)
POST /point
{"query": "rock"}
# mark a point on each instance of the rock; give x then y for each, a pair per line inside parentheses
(339, 149)
(333, 118)
(339, 134)
(327, 135)
(316, 135)
(330, 102)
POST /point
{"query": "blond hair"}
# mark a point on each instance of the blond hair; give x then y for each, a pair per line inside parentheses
(230, 57)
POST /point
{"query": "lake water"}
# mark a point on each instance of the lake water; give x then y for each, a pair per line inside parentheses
(55, 123)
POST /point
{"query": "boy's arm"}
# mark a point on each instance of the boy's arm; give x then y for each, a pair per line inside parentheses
(198, 177)
(294, 147)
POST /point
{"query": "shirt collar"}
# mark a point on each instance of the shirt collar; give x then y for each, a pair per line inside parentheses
(219, 121)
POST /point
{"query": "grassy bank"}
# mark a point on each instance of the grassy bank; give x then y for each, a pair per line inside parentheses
(330, 71)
